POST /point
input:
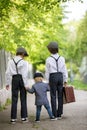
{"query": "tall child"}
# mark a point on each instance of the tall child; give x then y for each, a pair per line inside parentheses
(56, 74)
(17, 77)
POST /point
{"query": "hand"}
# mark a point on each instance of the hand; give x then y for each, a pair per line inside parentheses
(26, 88)
(65, 84)
(7, 87)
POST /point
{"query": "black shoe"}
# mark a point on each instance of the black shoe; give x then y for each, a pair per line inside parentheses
(53, 119)
(59, 117)
(25, 120)
(13, 121)
(37, 121)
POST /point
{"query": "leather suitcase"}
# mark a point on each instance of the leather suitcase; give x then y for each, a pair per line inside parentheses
(68, 94)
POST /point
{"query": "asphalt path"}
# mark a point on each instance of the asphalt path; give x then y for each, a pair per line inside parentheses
(74, 117)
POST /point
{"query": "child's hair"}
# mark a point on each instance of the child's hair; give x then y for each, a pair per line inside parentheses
(38, 79)
(53, 50)
(21, 51)
(53, 47)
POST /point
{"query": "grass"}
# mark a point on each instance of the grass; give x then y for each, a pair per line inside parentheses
(3, 107)
(79, 85)
(8, 102)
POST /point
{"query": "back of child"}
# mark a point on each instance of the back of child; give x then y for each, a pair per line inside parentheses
(40, 89)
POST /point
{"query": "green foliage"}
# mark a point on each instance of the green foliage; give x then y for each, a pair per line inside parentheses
(8, 102)
(2, 108)
(81, 40)
(79, 85)
(33, 24)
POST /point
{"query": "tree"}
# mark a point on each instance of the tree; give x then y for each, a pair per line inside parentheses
(32, 24)
(81, 40)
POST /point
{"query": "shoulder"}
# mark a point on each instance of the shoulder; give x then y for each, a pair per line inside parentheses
(48, 59)
(25, 62)
(62, 58)
(34, 85)
(45, 84)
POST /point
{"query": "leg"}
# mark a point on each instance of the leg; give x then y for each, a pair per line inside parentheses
(52, 82)
(14, 99)
(53, 100)
(38, 111)
(60, 95)
(23, 99)
(48, 110)
(60, 101)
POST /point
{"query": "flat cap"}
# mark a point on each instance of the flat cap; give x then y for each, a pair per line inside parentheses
(22, 50)
(52, 45)
(38, 75)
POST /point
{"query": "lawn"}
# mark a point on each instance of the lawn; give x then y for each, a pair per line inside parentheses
(78, 85)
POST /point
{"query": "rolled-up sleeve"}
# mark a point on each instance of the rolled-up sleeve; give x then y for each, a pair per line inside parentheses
(64, 70)
(47, 70)
(8, 74)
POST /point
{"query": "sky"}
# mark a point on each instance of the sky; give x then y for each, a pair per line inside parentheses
(77, 10)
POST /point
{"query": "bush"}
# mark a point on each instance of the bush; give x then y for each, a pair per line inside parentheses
(79, 85)
(8, 102)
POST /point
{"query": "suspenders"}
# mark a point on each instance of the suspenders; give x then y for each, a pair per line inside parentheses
(16, 64)
(56, 61)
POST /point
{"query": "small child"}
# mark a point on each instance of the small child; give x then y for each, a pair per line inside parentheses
(40, 89)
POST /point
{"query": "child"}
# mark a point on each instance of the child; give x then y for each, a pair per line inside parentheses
(40, 89)
(17, 75)
(56, 74)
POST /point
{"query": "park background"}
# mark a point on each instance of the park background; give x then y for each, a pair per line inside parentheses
(33, 24)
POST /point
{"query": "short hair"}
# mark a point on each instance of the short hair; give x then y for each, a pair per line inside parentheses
(53, 50)
(21, 51)
(53, 47)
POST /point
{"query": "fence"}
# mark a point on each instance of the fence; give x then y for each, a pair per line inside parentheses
(4, 56)
(4, 94)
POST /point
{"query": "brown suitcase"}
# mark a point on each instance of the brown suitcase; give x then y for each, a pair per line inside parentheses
(68, 94)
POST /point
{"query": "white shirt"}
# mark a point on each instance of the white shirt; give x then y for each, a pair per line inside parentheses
(51, 66)
(23, 69)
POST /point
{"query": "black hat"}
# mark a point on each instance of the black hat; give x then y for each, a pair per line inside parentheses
(52, 45)
(38, 75)
(21, 50)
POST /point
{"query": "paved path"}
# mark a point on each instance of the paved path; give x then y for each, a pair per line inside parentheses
(74, 118)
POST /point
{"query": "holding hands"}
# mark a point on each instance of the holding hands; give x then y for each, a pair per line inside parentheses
(7, 87)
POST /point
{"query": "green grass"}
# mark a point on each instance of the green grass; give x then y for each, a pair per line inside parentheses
(78, 85)
(8, 102)
(3, 107)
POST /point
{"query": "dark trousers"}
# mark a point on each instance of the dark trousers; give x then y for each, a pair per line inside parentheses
(18, 85)
(56, 92)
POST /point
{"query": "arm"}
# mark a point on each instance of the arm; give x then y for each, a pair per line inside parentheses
(31, 90)
(25, 72)
(65, 73)
(48, 87)
(47, 70)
